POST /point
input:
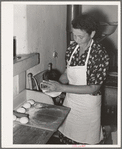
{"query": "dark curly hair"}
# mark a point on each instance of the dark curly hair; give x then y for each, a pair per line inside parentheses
(86, 22)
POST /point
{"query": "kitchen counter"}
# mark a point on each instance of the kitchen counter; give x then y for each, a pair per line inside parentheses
(30, 135)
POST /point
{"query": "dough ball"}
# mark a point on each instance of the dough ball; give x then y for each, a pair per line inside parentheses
(31, 101)
(21, 110)
(27, 105)
(39, 105)
(14, 117)
(24, 120)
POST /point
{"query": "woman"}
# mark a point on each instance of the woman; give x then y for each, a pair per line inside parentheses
(87, 67)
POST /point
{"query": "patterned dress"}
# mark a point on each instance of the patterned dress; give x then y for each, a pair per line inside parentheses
(98, 63)
(97, 69)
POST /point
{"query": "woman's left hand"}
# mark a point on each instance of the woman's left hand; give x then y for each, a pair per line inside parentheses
(52, 86)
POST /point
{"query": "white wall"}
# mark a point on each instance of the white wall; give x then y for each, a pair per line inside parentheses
(20, 28)
(42, 29)
(46, 31)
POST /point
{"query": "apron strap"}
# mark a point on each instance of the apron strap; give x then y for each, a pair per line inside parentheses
(88, 53)
(72, 54)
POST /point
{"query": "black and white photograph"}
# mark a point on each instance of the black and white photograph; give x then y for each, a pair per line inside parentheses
(61, 74)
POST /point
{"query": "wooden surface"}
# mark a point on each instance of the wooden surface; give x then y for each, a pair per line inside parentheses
(30, 135)
(46, 116)
(44, 120)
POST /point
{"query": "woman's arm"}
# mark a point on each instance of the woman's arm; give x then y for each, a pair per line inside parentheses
(53, 86)
(63, 78)
(81, 89)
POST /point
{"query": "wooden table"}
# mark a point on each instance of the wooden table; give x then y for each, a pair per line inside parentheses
(30, 135)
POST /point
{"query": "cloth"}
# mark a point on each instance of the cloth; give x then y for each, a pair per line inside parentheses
(83, 122)
(98, 63)
(64, 140)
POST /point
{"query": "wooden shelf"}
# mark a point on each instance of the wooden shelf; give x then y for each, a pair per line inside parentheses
(25, 61)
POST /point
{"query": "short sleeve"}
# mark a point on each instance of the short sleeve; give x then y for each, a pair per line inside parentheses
(69, 51)
(99, 62)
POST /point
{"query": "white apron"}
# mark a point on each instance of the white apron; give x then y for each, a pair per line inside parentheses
(83, 124)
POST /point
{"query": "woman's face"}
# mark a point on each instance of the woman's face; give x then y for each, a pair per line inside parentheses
(81, 36)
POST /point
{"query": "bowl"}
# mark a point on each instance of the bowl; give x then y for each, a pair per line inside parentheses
(51, 94)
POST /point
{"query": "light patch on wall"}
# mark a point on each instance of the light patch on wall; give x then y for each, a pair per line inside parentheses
(20, 28)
